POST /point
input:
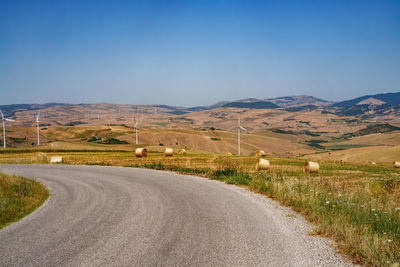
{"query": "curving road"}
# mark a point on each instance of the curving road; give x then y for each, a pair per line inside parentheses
(111, 216)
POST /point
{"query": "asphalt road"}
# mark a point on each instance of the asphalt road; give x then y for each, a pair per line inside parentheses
(111, 216)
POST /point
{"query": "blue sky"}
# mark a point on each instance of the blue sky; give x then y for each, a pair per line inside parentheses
(196, 52)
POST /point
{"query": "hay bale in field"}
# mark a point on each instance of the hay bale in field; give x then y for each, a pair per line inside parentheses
(311, 167)
(396, 164)
(40, 156)
(56, 159)
(168, 152)
(263, 164)
(228, 154)
(182, 151)
(373, 163)
(260, 153)
(141, 152)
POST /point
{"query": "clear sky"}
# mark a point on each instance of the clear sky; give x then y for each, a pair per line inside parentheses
(196, 52)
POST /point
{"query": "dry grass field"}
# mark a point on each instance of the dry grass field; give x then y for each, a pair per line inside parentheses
(217, 141)
(379, 147)
(366, 155)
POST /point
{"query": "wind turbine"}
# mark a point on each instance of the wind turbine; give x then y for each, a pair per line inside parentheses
(4, 127)
(244, 129)
(137, 137)
(37, 126)
(136, 128)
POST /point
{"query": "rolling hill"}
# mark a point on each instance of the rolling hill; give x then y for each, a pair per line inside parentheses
(298, 124)
(392, 99)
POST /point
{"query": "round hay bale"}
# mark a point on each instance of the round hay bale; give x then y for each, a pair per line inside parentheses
(40, 156)
(263, 164)
(396, 164)
(141, 152)
(373, 163)
(56, 159)
(311, 167)
(228, 154)
(260, 153)
(168, 152)
(182, 151)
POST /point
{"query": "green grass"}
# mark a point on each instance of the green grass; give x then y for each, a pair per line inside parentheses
(74, 123)
(162, 124)
(113, 141)
(343, 146)
(19, 196)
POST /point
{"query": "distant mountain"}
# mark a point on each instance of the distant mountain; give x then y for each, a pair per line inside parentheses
(255, 105)
(371, 101)
(392, 99)
(242, 103)
(213, 106)
(268, 103)
(172, 109)
(300, 100)
(367, 110)
(9, 110)
(301, 108)
(368, 106)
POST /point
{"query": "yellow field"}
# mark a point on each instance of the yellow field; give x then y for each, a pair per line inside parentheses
(215, 141)
(365, 155)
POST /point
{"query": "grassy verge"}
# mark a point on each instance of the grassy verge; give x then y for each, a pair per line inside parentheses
(361, 213)
(19, 196)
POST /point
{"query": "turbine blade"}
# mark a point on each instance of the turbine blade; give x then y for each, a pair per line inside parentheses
(244, 129)
(2, 116)
(9, 120)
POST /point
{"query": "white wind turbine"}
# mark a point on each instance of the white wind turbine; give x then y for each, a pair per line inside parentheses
(4, 128)
(37, 126)
(244, 129)
(137, 137)
(136, 128)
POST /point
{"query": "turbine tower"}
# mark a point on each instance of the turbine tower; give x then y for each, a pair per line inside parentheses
(137, 126)
(37, 126)
(137, 137)
(4, 128)
(239, 127)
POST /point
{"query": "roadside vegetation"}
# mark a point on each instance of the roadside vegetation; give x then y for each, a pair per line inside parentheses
(19, 196)
(356, 205)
